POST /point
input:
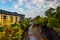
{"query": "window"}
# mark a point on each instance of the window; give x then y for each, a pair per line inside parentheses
(16, 19)
(4, 17)
(11, 19)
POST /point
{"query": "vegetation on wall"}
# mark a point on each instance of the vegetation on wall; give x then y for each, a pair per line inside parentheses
(13, 31)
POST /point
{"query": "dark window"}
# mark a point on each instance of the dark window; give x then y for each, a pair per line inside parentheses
(16, 19)
(4, 17)
(11, 19)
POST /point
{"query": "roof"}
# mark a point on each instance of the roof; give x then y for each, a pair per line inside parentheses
(10, 13)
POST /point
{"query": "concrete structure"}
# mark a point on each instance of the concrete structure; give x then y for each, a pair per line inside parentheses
(10, 17)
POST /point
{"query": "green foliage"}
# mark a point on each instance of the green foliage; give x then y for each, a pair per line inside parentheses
(37, 17)
(11, 33)
(49, 12)
(41, 21)
(52, 19)
(14, 31)
(24, 24)
(58, 10)
(1, 29)
(51, 22)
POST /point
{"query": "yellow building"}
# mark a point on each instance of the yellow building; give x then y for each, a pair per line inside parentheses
(9, 17)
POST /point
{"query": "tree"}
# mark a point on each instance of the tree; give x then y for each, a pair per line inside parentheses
(24, 24)
(42, 21)
(50, 12)
(37, 17)
(54, 19)
(58, 12)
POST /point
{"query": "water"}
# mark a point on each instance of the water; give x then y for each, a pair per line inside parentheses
(31, 36)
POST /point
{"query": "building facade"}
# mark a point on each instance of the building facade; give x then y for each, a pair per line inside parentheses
(10, 17)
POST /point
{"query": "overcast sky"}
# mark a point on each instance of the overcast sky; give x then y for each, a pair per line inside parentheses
(30, 8)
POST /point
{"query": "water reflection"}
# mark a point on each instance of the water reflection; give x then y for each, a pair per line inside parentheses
(31, 35)
(32, 38)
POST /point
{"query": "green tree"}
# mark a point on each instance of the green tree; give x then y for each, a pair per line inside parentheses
(58, 12)
(37, 17)
(54, 19)
(42, 21)
(24, 24)
(50, 12)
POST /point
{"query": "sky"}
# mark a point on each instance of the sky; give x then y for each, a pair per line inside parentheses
(31, 8)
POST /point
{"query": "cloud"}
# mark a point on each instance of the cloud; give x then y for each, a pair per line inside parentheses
(37, 1)
(20, 2)
(10, 0)
(18, 9)
(36, 7)
(2, 1)
(15, 6)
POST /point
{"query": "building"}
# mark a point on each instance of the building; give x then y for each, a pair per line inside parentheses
(10, 17)
(22, 16)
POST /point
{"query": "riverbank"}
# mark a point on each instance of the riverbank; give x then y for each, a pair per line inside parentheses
(37, 33)
(33, 33)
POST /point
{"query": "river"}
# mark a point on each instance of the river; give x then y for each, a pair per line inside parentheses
(30, 32)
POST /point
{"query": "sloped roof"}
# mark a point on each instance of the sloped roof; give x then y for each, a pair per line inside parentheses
(10, 13)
